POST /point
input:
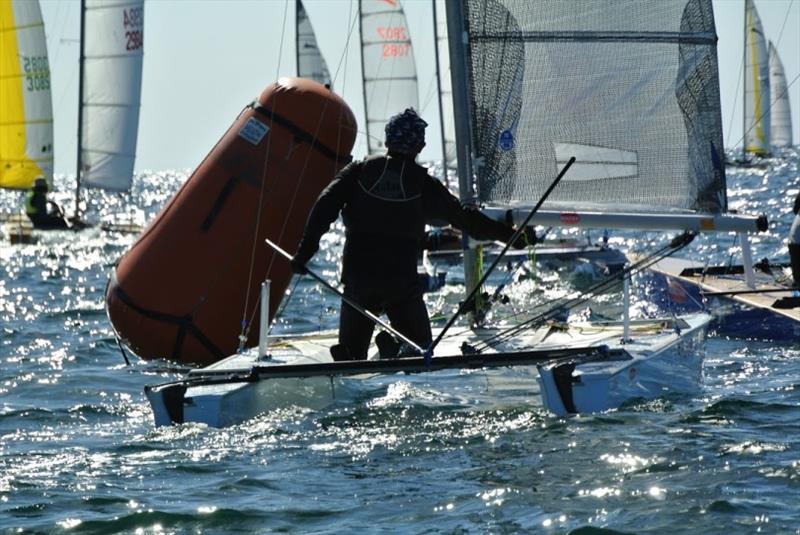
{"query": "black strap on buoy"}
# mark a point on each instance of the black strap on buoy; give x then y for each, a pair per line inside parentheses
(301, 134)
(184, 323)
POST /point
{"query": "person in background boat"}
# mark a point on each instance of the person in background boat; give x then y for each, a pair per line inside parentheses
(43, 213)
(794, 243)
(385, 202)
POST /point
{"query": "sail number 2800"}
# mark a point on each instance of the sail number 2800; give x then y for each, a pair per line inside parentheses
(37, 73)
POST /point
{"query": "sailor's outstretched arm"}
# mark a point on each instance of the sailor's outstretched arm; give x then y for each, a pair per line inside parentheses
(325, 211)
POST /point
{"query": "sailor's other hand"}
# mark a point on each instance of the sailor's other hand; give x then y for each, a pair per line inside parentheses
(298, 265)
(525, 239)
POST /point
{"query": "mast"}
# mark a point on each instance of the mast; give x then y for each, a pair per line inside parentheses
(297, 8)
(80, 110)
(363, 71)
(744, 84)
(439, 91)
(456, 34)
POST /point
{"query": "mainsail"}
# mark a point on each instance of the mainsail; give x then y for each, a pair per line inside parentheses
(310, 63)
(756, 84)
(26, 114)
(780, 115)
(387, 62)
(630, 88)
(111, 81)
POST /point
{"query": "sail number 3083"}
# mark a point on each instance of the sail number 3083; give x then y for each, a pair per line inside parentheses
(133, 19)
(37, 73)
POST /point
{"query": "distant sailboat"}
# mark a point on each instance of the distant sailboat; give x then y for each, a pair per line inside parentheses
(780, 128)
(26, 114)
(445, 86)
(310, 63)
(109, 91)
(387, 63)
(756, 84)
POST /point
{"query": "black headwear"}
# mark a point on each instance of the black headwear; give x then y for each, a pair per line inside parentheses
(405, 132)
(40, 184)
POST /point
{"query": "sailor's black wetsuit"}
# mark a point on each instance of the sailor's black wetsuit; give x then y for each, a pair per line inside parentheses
(36, 207)
(385, 203)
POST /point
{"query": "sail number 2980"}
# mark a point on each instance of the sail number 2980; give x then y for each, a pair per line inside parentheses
(133, 20)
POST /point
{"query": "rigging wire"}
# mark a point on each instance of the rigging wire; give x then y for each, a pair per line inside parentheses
(764, 114)
(550, 313)
(785, 18)
(340, 67)
(245, 325)
(735, 101)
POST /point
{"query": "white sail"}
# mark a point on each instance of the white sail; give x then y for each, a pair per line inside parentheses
(310, 63)
(26, 128)
(445, 87)
(112, 79)
(387, 60)
(756, 83)
(780, 115)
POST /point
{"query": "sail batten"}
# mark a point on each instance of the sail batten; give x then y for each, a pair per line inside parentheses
(112, 78)
(637, 103)
(650, 37)
(26, 130)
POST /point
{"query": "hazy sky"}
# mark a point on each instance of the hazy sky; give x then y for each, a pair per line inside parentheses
(206, 59)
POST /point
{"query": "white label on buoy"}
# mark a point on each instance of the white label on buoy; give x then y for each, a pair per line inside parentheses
(254, 131)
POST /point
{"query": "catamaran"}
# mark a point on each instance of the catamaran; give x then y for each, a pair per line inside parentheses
(110, 75)
(109, 90)
(522, 113)
(26, 123)
(750, 300)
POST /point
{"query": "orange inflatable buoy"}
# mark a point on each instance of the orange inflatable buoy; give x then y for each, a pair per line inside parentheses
(187, 287)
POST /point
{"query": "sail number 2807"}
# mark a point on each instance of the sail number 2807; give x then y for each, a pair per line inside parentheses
(394, 33)
(133, 20)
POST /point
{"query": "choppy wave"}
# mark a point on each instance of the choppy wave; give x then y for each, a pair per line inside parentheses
(467, 453)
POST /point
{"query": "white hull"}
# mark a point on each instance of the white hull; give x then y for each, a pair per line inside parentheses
(300, 372)
(675, 366)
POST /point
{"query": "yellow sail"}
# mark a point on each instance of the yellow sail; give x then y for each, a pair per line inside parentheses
(26, 118)
(756, 85)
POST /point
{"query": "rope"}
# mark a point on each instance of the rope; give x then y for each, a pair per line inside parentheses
(550, 313)
(765, 112)
(245, 327)
(341, 66)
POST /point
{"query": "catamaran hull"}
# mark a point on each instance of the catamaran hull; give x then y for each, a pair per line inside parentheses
(233, 403)
(585, 370)
(675, 368)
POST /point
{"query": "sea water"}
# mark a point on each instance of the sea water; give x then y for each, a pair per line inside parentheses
(406, 454)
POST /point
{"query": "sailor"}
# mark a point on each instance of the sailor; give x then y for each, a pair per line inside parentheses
(794, 242)
(385, 202)
(43, 213)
